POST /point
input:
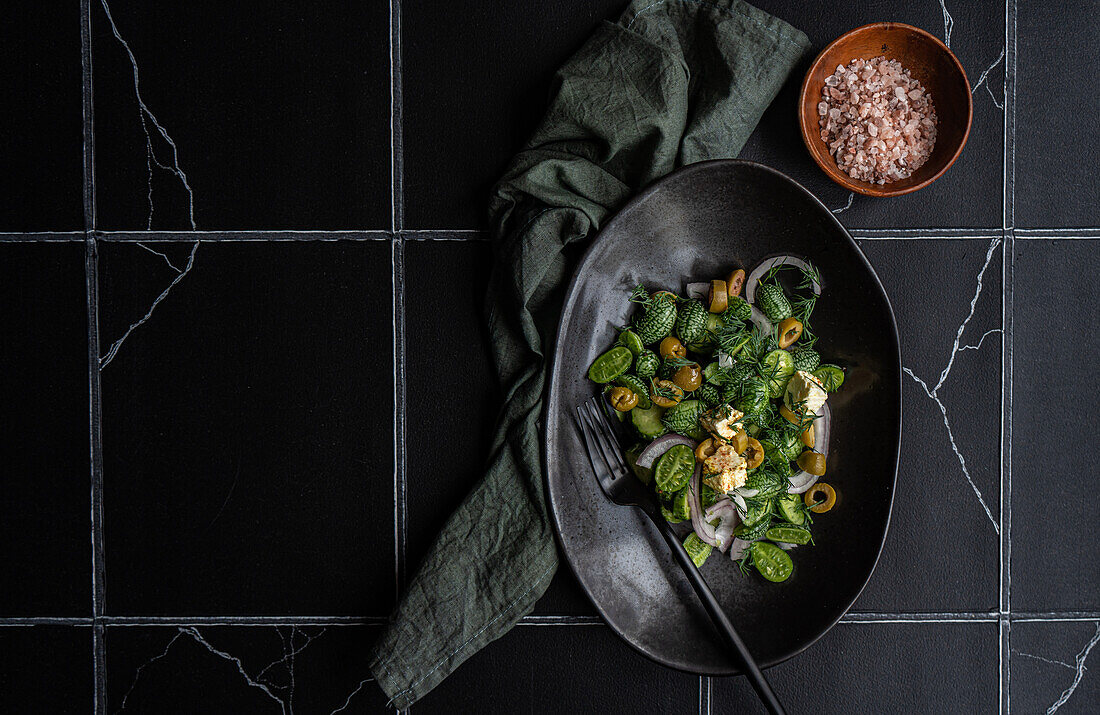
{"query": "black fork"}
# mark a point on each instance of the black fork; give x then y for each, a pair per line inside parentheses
(624, 489)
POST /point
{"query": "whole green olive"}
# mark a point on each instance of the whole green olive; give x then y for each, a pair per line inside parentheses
(623, 399)
(672, 347)
(689, 377)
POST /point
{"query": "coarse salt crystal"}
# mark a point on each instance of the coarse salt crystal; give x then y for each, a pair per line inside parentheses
(877, 120)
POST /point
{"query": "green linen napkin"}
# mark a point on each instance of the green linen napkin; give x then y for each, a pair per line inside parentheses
(671, 83)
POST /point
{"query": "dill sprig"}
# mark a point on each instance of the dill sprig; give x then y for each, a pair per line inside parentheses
(746, 561)
(640, 295)
(673, 361)
(659, 390)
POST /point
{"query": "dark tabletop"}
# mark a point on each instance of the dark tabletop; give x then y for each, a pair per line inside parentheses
(221, 460)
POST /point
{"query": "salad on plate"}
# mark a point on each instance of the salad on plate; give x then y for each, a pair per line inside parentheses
(728, 397)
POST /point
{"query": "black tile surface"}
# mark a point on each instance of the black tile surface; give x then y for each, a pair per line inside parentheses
(1056, 154)
(536, 669)
(463, 432)
(279, 113)
(489, 64)
(1049, 667)
(252, 522)
(1055, 564)
(970, 193)
(931, 285)
(46, 669)
(240, 669)
(44, 503)
(881, 668)
(41, 188)
(247, 430)
(449, 167)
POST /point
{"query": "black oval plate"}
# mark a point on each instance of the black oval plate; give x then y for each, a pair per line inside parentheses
(694, 224)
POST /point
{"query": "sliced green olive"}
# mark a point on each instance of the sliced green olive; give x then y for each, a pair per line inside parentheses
(734, 282)
(666, 393)
(754, 456)
(705, 449)
(790, 330)
(718, 299)
(812, 462)
(820, 498)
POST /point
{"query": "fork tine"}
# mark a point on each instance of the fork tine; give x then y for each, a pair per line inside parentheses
(588, 432)
(606, 440)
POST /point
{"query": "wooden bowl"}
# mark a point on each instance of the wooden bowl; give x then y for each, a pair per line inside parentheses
(929, 61)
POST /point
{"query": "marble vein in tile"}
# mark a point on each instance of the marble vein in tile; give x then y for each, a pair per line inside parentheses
(948, 23)
(147, 118)
(933, 392)
(141, 668)
(1080, 672)
(1044, 660)
(198, 638)
(983, 80)
(351, 695)
(277, 680)
(165, 257)
(845, 207)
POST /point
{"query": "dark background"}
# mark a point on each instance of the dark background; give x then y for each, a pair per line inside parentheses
(212, 507)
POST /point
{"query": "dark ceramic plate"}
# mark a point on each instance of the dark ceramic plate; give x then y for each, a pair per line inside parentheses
(697, 223)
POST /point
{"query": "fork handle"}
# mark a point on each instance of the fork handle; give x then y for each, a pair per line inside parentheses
(721, 621)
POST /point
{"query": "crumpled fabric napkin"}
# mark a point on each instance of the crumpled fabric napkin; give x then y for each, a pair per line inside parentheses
(671, 83)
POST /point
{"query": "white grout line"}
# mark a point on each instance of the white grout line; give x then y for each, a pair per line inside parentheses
(1048, 237)
(987, 231)
(41, 236)
(239, 236)
(95, 442)
(147, 621)
(1008, 219)
(399, 492)
(211, 236)
(854, 617)
(976, 237)
(963, 617)
(397, 221)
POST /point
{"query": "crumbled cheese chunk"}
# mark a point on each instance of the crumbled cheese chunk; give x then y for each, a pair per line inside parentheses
(726, 470)
(806, 389)
(723, 421)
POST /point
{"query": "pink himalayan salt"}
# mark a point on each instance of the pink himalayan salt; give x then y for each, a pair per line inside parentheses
(878, 122)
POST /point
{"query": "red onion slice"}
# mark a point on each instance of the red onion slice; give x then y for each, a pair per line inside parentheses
(737, 549)
(717, 508)
(767, 265)
(698, 291)
(723, 533)
(760, 320)
(659, 446)
(702, 529)
(802, 481)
